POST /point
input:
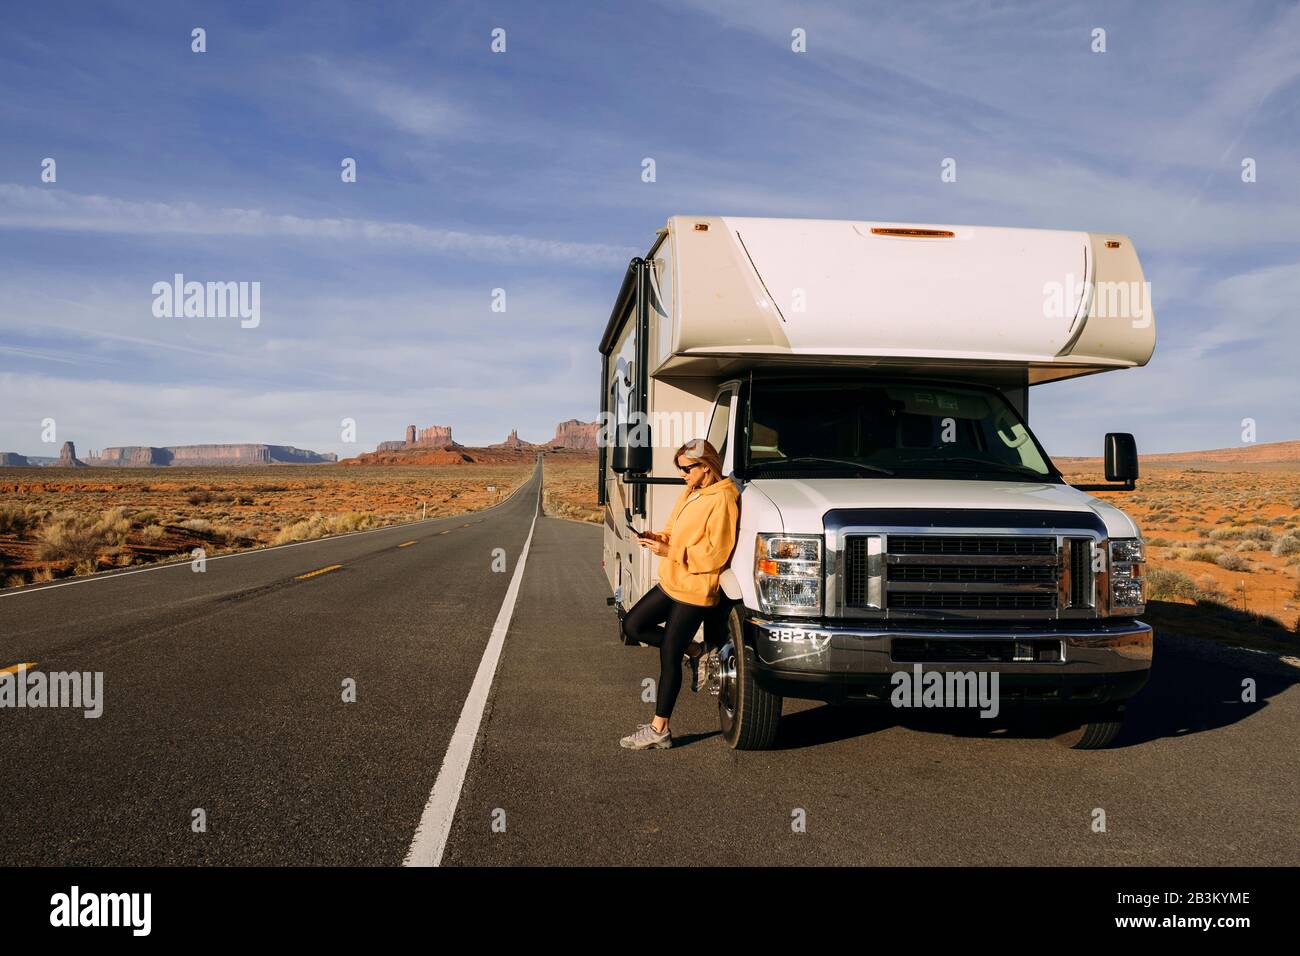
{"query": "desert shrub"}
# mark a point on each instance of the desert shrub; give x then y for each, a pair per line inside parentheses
(1286, 545)
(1232, 562)
(16, 518)
(114, 525)
(1158, 542)
(197, 525)
(1258, 533)
(1164, 583)
(319, 525)
(15, 580)
(1227, 534)
(70, 538)
(1203, 554)
(153, 532)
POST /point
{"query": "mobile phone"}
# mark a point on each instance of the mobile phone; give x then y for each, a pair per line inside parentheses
(639, 534)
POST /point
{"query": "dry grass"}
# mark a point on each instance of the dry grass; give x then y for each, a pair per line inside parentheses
(569, 488)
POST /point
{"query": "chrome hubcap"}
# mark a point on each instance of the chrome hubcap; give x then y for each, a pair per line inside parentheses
(728, 683)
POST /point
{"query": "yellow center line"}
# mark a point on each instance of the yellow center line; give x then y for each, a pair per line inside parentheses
(312, 574)
(445, 532)
(406, 544)
(17, 667)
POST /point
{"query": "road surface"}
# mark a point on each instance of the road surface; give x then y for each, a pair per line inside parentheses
(223, 692)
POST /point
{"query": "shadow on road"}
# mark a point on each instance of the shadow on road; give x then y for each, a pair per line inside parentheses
(1194, 687)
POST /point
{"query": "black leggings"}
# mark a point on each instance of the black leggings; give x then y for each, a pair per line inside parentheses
(680, 621)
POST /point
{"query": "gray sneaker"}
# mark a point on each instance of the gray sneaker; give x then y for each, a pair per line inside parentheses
(645, 738)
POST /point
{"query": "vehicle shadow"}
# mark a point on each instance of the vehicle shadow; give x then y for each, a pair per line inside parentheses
(1195, 686)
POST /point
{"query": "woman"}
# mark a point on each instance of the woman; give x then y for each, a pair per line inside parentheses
(694, 547)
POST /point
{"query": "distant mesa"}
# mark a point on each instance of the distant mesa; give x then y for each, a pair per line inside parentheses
(513, 441)
(573, 434)
(11, 459)
(207, 456)
(435, 436)
(435, 446)
(576, 434)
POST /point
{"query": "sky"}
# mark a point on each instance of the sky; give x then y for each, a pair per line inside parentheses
(522, 171)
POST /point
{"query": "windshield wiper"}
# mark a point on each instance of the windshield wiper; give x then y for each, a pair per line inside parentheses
(837, 461)
(987, 465)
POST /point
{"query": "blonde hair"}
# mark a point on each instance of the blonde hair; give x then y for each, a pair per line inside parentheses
(701, 451)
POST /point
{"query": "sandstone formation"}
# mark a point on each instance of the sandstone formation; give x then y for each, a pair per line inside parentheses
(11, 459)
(68, 457)
(435, 436)
(209, 456)
(576, 434)
(512, 441)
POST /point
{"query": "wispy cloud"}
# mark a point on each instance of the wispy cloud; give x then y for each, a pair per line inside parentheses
(31, 207)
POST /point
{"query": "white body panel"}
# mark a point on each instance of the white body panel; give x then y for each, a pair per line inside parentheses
(978, 295)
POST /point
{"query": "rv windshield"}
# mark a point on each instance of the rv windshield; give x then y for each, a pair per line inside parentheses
(887, 429)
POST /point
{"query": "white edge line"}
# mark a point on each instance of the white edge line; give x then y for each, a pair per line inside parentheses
(185, 562)
(435, 822)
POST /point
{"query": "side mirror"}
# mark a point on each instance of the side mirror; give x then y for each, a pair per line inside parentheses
(1121, 457)
(633, 450)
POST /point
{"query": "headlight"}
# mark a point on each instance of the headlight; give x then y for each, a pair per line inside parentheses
(788, 573)
(1127, 583)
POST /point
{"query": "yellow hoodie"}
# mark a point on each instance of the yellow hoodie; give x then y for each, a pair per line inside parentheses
(701, 534)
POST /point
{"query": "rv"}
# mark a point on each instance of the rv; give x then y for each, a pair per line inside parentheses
(868, 386)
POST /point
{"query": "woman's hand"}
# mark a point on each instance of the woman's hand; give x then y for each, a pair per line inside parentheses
(654, 545)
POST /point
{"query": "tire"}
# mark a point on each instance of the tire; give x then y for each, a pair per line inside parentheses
(1094, 730)
(748, 713)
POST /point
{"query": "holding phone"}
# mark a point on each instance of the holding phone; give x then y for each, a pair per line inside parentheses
(639, 534)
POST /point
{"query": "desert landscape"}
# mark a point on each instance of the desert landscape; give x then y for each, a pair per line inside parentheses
(57, 522)
(131, 505)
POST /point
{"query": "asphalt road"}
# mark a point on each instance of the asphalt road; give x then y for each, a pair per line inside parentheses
(223, 692)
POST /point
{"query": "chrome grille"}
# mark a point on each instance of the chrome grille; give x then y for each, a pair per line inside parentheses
(913, 601)
(1031, 575)
(970, 544)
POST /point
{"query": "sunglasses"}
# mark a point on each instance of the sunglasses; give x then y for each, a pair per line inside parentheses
(686, 469)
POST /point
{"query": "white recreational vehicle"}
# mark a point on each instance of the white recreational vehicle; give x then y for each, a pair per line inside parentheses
(868, 385)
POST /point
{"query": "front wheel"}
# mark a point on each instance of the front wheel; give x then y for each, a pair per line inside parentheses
(1092, 730)
(748, 713)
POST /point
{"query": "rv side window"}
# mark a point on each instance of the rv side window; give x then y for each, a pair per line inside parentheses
(720, 426)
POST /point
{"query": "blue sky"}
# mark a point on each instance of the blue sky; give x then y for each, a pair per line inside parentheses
(522, 171)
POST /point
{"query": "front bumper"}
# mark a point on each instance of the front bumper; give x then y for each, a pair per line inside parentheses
(1100, 663)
